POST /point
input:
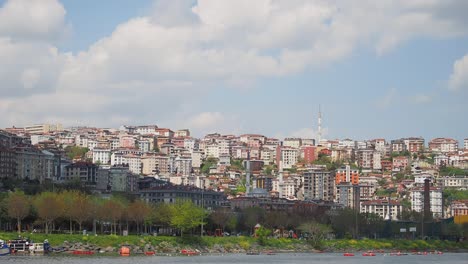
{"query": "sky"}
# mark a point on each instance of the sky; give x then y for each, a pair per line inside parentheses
(378, 69)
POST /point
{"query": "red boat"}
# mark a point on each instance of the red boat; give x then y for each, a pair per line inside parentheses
(347, 254)
(150, 253)
(368, 254)
(82, 252)
(189, 252)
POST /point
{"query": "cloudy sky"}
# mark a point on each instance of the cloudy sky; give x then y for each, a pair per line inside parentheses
(378, 68)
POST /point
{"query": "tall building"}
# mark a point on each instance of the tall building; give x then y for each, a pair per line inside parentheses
(348, 194)
(7, 162)
(286, 157)
(435, 196)
(308, 154)
(318, 185)
(346, 174)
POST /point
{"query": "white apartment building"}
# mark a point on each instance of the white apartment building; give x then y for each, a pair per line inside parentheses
(224, 146)
(43, 128)
(212, 150)
(384, 208)
(183, 166)
(346, 143)
(114, 143)
(81, 141)
(36, 139)
(197, 158)
(443, 145)
(182, 133)
(419, 179)
(287, 157)
(292, 142)
(376, 160)
(380, 145)
(465, 143)
(266, 155)
(191, 144)
(146, 130)
(144, 145)
(435, 195)
(102, 156)
(134, 163)
(458, 181)
(92, 144)
(289, 187)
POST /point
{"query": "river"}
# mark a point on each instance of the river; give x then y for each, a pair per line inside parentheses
(298, 258)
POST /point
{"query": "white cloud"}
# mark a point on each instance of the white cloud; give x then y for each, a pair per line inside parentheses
(155, 64)
(32, 19)
(459, 77)
(206, 119)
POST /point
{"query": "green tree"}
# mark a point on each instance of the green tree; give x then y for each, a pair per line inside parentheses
(138, 212)
(207, 164)
(316, 233)
(186, 215)
(49, 207)
(80, 210)
(18, 207)
(75, 152)
(262, 234)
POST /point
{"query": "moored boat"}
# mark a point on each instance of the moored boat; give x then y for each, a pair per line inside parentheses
(189, 252)
(4, 249)
(347, 254)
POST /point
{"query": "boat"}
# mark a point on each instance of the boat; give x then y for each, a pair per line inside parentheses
(189, 252)
(36, 248)
(347, 254)
(4, 249)
(82, 252)
(19, 246)
(368, 254)
(253, 253)
(150, 253)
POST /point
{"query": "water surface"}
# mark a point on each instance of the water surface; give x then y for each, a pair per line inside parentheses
(299, 258)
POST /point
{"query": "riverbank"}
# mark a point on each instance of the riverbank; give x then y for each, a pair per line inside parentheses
(109, 244)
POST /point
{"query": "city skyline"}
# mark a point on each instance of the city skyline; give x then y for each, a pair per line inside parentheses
(392, 70)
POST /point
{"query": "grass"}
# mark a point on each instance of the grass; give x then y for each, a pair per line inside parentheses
(246, 243)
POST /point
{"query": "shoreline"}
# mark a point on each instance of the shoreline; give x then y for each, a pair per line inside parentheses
(108, 245)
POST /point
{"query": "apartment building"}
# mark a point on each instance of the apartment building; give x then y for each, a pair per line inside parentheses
(319, 185)
(286, 157)
(43, 128)
(435, 196)
(443, 145)
(346, 174)
(387, 209)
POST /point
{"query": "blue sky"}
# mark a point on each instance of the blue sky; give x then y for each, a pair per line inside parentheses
(390, 69)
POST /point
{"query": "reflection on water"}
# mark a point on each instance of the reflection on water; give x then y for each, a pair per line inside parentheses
(455, 258)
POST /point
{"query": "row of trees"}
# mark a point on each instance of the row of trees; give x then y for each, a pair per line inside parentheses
(49, 208)
(74, 210)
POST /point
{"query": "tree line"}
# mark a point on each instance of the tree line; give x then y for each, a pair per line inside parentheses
(72, 211)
